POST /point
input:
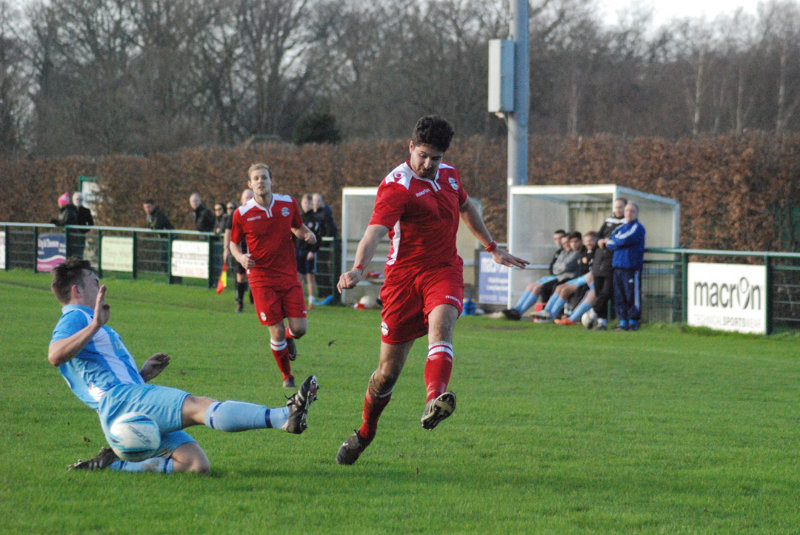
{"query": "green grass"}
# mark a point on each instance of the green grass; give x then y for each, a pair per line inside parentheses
(558, 430)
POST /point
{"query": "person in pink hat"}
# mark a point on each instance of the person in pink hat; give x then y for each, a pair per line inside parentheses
(67, 212)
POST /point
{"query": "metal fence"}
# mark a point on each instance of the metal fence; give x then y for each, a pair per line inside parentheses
(148, 253)
(665, 278)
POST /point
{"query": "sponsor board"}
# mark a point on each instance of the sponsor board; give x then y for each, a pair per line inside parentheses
(727, 297)
(117, 253)
(190, 259)
(51, 250)
(492, 281)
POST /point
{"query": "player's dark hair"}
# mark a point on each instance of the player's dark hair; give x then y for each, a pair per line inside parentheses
(575, 234)
(149, 201)
(434, 131)
(67, 274)
(560, 231)
(591, 233)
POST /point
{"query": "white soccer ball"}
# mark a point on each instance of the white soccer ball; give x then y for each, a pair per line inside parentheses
(589, 319)
(134, 437)
(368, 301)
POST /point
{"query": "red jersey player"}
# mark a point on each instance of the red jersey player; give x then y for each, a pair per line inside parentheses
(267, 223)
(418, 205)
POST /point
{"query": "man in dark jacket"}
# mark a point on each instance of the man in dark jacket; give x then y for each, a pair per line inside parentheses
(627, 242)
(601, 263)
(67, 213)
(203, 218)
(156, 218)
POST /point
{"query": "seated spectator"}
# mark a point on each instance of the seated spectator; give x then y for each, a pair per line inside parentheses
(564, 267)
(573, 289)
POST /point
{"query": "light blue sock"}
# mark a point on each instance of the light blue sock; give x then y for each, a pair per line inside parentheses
(529, 302)
(233, 416)
(522, 298)
(557, 306)
(577, 314)
(153, 464)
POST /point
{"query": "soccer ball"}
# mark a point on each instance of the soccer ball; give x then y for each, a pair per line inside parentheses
(134, 437)
(589, 319)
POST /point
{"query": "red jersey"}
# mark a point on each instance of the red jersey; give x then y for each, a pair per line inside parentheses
(268, 232)
(422, 215)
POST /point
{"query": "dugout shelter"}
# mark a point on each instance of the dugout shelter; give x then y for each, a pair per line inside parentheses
(535, 212)
(357, 205)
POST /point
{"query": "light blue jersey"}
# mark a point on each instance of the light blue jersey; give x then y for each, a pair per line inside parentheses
(102, 364)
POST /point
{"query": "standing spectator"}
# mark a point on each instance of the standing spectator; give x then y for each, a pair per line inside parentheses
(203, 218)
(321, 220)
(323, 214)
(305, 253)
(102, 373)
(602, 271)
(84, 214)
(67, 212)
(268, 222)
(156, 218)
(240, 273)
(77, 240)
(627, 242)
(419, 205)
(220, 218)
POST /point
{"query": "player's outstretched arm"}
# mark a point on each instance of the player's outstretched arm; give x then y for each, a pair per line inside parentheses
(154, 366)
(364, 253)
(61, 351)
(475, 224)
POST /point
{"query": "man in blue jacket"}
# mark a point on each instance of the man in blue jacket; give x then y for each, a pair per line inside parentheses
(627, 242)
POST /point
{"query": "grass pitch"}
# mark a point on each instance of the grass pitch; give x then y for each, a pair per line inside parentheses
(557, 430)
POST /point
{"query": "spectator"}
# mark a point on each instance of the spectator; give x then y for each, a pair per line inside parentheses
(627, 242)
(563, 268)
(203, 218)
(77, 240)
(318, 203)
(84, 214)
(306, 253)
(220, 218)
(67, 212)
(601, 265)
(573, 289)
(156, 218)
(240, 272)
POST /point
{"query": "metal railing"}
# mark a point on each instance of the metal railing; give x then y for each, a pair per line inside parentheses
(136, 252)
(664, 281)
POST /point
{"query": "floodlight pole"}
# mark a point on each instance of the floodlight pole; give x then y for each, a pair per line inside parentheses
(518, 119)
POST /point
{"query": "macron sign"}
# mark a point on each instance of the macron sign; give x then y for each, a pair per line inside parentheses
(727, 297)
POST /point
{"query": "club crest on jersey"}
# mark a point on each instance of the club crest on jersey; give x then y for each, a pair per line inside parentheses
(453, 183)
(384, 328)
(285, 211)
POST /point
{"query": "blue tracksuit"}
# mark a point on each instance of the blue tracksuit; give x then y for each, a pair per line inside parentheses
(627, 242)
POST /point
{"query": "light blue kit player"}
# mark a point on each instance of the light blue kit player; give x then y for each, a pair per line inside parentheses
(102, 373)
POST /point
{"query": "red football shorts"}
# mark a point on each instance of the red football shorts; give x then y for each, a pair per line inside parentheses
(274, 304)
(409, 298)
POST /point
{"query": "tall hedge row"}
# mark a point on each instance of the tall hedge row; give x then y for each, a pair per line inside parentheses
(736, 192)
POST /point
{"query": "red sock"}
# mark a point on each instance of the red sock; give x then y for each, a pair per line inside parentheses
(437, 368)
(373, 407)
(281, 354)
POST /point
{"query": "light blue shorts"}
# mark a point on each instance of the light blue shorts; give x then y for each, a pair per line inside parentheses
(545, 280)
(161, 403)
(578, 281)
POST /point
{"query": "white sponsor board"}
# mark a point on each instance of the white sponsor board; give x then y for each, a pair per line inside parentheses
(190, 259)
(727, 297)
(117, 253)
(2, 250)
